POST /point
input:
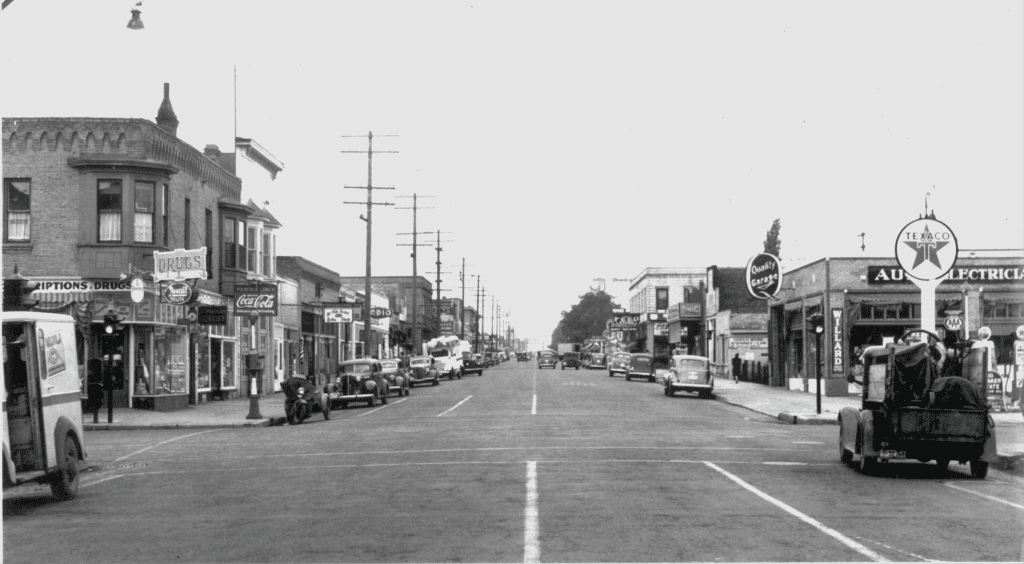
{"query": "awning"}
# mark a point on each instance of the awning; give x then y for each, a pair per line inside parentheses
(57, 300)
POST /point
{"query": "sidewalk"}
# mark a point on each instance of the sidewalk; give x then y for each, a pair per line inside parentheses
(801, 409)
(208, 415)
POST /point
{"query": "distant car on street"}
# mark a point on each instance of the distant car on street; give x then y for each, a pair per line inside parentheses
(397, 380)
(641, 365)
(689, 373)
(597, 360)
(617, 363)
(571, 359)
(421, 371)
(472, 364)
(547, 359)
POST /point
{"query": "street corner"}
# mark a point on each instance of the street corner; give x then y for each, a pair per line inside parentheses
(809, 418)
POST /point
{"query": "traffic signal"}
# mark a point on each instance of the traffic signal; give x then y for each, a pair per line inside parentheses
(111, 323)
(817, 323)
(17, 294)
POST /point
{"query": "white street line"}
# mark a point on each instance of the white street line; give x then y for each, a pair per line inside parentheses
(988, 497)
(86, 485)
(163, 443)
(534, 411)
(456, 405)
(531, 534)
(860, 548)
(379, 408)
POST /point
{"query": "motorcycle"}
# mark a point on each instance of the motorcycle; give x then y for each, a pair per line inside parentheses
(301, 399)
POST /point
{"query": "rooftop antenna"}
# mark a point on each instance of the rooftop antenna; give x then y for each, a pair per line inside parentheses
(861, 242)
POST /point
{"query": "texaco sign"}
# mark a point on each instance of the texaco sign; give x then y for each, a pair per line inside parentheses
(926, 249)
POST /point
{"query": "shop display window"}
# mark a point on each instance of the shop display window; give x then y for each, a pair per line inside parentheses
(203, 365)
(160, 355)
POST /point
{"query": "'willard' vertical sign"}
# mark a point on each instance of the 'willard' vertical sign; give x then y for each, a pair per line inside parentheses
(837, 340)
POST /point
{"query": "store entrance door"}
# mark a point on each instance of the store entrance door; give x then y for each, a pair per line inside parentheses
(215, 364)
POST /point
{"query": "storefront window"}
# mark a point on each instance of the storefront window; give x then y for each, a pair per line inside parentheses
(228, 375)
(160, 355)
(203, 365)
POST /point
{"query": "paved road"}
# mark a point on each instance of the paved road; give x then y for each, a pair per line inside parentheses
(518, 465)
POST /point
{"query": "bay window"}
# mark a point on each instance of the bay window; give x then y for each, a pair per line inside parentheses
(145, 211)
(108, 204)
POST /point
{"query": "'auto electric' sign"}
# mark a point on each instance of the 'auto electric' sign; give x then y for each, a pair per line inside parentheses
(764, 276)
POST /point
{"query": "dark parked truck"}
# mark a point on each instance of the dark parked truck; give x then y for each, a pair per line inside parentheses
(571, 360)
(921, 402)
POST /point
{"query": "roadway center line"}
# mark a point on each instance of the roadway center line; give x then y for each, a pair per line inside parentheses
(531, 528)
(534, 411)
(379, 408)
(454, 406)
(860, 548)
(163, 443)
(988, 497)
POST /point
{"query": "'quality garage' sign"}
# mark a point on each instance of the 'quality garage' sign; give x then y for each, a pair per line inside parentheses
(764, 276)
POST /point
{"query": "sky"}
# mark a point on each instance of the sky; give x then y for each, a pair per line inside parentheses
(553, 143)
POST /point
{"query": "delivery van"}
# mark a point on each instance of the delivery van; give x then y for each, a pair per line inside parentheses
(42, 402)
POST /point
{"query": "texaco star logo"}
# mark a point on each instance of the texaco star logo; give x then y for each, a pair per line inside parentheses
(926, 249)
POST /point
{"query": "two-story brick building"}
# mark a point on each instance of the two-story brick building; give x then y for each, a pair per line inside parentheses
(651, 294)
(87, 203)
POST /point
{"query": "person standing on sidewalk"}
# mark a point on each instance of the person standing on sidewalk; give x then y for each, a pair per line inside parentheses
(736, 365)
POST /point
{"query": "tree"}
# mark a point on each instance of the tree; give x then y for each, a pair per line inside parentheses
(772, 243)
(586, 319)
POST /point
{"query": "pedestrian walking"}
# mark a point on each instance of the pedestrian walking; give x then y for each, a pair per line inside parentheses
(736, 365)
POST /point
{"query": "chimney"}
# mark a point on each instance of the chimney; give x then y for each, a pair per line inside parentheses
(165, 118)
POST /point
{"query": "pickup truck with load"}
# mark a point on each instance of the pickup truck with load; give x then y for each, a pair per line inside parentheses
(447, 352)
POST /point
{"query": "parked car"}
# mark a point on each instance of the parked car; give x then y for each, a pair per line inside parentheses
(597, 360)
(397, 381)
(358, 380)
(571, 360)
(421, 371)
(640, 365)
(617, 363)
(689, 373)
(547, 359)
(472, 364)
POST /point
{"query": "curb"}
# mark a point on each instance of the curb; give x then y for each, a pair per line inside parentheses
(116, 427)
(812, 419)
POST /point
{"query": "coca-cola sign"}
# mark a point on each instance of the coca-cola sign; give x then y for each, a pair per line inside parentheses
(256, 299)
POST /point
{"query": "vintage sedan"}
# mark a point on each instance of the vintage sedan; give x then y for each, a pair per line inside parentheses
(421, 370)
(547, 359)
(617, 363)
(358, 380)
(689, 373)
(597, 360)
(394, 372)
(472, 364)
(571, 359)
(640, 365)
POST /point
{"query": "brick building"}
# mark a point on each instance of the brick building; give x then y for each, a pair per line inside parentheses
(87, 202)
(399, 293)
(871, 301)
(651, 294)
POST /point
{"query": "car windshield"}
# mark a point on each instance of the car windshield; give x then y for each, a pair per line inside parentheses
(691, 363)
(642, 361)
(389, 364)
(546, 355)
(355, 368)
(620, 356)
(419, 362)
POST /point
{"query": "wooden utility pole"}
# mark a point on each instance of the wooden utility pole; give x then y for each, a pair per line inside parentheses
(417, 337)
(437, 307)
(367, 321)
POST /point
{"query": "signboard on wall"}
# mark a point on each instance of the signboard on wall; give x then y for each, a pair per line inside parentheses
(256, 299)
(337, 315)
(838, 355)
(764, 276)
(179, 265)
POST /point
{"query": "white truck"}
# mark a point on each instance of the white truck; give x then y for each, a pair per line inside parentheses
(447, 352)
(42, 401)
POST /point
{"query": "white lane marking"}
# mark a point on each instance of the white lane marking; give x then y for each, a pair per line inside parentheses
(534, 411)
(860, 548)
(454, 406)
(380, 408)
(108, 478)
(988, 497)
(739, 436)
(531, 528)
(807, 442)
(140, 451)
(785, 463)
(893, 548)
